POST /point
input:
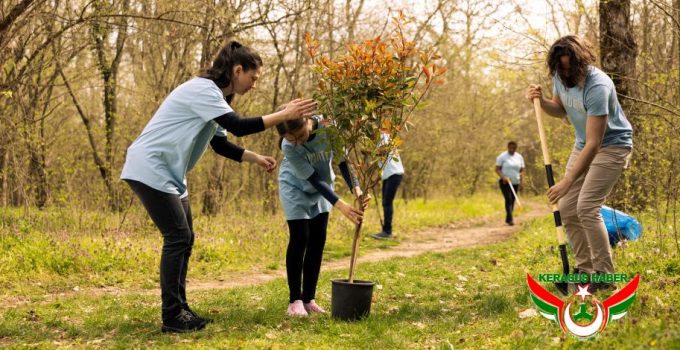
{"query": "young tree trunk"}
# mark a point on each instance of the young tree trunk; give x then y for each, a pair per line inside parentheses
(108, 70)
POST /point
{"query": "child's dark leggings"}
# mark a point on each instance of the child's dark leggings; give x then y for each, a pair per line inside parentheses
(389, 191)
(305, 250)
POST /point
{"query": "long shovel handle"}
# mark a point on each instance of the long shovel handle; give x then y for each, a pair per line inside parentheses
(562, 287)
(515, 194)
(548, 169)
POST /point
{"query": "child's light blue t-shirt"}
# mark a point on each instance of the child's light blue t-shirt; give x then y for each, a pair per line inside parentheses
(176, 137)
(600, 99)
(511, 165)
(393, 165)
(300, 200)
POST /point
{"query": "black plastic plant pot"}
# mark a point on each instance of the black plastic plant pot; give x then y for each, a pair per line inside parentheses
(351, 301)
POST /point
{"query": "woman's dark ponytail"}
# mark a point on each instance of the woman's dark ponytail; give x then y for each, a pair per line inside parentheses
(230, 55)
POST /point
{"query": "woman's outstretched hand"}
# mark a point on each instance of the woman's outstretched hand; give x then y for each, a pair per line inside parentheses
(300, 108)
(266, 162)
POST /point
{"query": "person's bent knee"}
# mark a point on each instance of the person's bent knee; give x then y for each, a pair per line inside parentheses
(587, 211)
(179, 238)
(567, 210)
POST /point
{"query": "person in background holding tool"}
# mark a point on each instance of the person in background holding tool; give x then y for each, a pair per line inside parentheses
(604, 140)
(510, 168)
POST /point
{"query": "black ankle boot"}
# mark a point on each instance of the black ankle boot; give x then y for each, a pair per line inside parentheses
(204, 319)
(182, 323)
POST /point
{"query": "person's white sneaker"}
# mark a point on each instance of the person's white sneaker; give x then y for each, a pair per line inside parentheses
(296, 308)
(313, 307)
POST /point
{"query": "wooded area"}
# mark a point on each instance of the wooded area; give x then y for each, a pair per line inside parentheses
(80, 79)
(449, 87)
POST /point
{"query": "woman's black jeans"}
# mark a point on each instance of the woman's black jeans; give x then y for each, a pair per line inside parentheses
(509, 199)
(172, 216)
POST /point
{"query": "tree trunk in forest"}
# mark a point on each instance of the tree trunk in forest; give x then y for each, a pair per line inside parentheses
(108, 70)
(618, 50)
(676, 38)
(212, 197)
(618, 53)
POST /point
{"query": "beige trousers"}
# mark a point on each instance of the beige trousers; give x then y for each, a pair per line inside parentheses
(580, 208)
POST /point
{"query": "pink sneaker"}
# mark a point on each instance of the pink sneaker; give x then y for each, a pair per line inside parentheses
(296, 308)
(313, 307)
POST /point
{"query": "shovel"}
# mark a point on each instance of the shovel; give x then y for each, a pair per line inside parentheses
(563, 287)
(514, 193)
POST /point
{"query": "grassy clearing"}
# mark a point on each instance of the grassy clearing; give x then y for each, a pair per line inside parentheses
(468, 298)
(57, 249)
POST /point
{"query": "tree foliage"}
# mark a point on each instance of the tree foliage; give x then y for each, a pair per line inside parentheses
(371, 91)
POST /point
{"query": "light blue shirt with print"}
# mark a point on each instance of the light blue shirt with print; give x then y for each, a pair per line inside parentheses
(596, 98)
(176, 137)
(300, 200)
(511, 165)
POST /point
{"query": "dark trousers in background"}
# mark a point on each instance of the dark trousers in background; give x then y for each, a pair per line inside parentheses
(304, 254)
(389, 191)
(172, 216)
(509, 199)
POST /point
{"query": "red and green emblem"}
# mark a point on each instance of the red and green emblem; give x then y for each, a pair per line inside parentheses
(583, 325)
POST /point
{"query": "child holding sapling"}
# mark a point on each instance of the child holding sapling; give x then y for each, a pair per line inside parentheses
(306, 192)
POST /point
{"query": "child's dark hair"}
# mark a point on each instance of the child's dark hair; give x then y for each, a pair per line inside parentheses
(512, 143)
(289, 125)
(232, 54)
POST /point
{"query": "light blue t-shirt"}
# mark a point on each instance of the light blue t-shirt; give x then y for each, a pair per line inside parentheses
(393, 166)
(176, 137)
(510, 165)
(600, 98)
(300, 200)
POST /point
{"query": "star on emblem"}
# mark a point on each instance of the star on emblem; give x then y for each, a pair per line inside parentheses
(583, 292)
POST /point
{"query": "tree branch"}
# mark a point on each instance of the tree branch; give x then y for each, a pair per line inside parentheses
(14, 13)
(88, 127)
(674, 112)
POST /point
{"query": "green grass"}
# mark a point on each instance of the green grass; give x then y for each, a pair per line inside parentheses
(57, 249)
(468, 298)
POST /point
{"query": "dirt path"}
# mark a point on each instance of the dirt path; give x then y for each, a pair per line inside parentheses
(439, 239)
